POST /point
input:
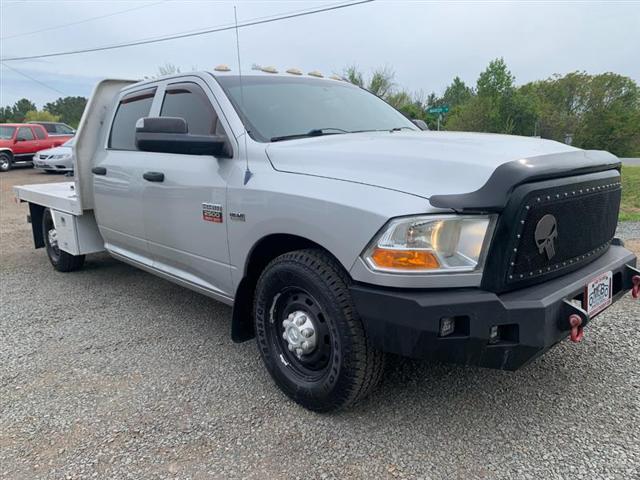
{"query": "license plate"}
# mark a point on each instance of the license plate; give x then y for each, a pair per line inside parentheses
(598, 293)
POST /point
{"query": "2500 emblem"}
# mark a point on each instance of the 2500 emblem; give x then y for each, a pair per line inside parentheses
(212, 212)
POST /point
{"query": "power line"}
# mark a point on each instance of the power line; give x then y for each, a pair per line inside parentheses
(56, 27)
(176, 36)
(33, 79)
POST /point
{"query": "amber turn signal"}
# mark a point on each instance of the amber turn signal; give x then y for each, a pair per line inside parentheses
(405, 259)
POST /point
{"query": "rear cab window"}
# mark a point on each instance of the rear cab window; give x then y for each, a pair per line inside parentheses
(131, 108)
(40, 133)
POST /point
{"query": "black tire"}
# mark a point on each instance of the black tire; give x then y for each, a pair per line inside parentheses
(61, 261)
(6, 162)
(343, 367)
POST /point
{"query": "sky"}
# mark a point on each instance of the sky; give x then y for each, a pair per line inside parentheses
(426, 43)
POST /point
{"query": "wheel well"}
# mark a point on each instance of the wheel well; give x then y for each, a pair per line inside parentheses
(262, 253)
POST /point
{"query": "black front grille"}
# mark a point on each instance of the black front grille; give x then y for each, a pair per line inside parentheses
(551, 228)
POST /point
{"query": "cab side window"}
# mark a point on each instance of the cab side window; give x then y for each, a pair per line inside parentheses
(40, 133)
(25, 133)
(64, 129)
(187, 100)
(131, 108)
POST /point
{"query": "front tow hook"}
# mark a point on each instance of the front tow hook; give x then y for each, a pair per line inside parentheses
(635, 290)
(577, 330)
(574, 319)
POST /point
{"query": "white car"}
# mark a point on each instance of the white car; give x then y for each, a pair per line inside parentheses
(58, 159)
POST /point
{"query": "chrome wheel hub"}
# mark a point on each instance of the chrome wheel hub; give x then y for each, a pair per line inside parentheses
(300, 333)
(53, 238)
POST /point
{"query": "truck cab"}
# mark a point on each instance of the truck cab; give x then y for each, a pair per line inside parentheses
(337, 229)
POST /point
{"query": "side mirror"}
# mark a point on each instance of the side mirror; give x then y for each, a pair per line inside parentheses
(171, 135)
(421, 124)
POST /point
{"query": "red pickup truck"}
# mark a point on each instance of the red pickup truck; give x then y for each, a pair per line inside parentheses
(19, 141)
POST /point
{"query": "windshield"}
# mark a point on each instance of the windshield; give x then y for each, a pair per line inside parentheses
(70, 142)
(6, 133)
(276, 107)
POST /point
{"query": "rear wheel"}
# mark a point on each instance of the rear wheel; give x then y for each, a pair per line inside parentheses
(310, 337)
(5, 162)
(61, 260)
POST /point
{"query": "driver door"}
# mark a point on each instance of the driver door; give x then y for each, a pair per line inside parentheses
(184, 202)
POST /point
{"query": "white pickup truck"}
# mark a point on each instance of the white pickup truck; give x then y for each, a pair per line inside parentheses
(336, 228)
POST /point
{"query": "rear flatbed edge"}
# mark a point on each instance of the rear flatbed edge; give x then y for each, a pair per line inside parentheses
(60, 196)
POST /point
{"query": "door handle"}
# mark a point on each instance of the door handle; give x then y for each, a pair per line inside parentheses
(99, 171)
(153, 176)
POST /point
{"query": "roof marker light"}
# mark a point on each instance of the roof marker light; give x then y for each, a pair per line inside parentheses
(269, 69)
(222, 68)
(336, 77)
(294, 71)
(316, 73)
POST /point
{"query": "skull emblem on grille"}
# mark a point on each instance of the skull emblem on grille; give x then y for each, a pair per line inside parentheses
(546, 234)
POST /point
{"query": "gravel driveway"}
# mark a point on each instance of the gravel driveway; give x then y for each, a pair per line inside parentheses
(113, 373)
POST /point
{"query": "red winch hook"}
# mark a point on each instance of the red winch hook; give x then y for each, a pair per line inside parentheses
(577, 330)
(635, 290)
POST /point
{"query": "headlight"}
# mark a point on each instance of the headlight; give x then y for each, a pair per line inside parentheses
(60, 157)
(430, 244)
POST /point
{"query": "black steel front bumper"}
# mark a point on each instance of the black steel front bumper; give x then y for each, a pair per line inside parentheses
(530, 320)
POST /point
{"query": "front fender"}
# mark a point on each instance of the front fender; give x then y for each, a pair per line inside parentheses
(340, 216)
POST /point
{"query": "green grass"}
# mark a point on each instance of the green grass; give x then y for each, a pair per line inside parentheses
(630, 207)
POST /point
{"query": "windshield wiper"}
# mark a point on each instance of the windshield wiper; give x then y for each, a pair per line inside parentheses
(394, 129)
(316, 132)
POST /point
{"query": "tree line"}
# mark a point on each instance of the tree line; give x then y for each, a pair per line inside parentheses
(65, 109)
(589, 111)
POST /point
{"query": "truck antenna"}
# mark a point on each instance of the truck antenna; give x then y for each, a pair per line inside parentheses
(247, 172)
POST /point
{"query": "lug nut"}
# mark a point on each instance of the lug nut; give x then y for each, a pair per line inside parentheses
(299, 352)
(300, 320)
(286, 323)
(291, 348)
(305, 345)
(284, 335)
(307, 332)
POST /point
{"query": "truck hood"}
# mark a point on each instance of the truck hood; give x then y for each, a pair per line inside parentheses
(418, 163)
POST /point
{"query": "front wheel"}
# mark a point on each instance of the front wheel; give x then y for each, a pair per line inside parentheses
(5, 162)
(61, 260)
(309, 334)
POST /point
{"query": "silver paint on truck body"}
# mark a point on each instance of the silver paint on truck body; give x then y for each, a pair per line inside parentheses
(337, 191)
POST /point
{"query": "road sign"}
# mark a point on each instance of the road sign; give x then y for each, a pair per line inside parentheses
(442, 109)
